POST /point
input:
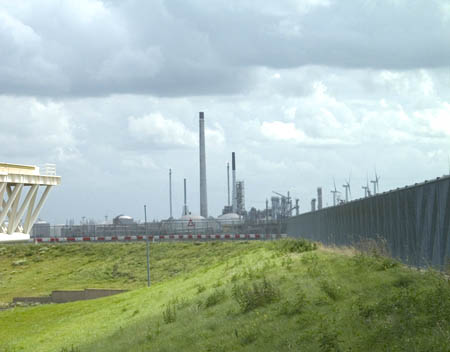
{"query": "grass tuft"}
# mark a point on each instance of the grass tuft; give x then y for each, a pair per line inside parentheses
(215, 298)
(258, 294)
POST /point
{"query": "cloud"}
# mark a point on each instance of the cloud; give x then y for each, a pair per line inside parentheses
(35, 130)
(280, 131)
(155, 129)
(95, 48)
(301, 90)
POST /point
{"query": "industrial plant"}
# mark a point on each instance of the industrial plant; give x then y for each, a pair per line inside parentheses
(388, 214)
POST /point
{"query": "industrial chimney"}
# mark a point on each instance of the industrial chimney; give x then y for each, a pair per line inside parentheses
(233, 171)
(319, 198)
(228, 182)
(185, 207)
(170, 192)
(313, 204)
(203, 195)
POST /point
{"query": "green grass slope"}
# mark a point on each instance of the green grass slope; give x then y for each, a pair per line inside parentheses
(36, 270)
(258, 297)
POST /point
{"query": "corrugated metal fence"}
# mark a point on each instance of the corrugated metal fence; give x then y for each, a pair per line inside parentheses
(413, 221)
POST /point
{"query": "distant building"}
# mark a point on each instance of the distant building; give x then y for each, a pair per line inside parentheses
(123, 220)
(40, 228)
(227, 209)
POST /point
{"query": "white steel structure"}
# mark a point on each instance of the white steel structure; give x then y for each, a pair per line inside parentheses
(17, 213)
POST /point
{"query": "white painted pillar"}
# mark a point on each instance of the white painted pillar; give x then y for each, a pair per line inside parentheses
(10, 201)
(13, 212)
(24, 206)
(38, 209)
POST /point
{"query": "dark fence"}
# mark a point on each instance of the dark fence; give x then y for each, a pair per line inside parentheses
(413, 221)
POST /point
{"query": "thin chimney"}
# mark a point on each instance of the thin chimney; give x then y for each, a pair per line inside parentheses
(170, 192)
(185, 207)
(228, 182)
(203, 194)
(233, 171)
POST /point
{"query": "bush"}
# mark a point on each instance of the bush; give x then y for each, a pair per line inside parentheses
(214, 298)
(257, 295)
(293, 245)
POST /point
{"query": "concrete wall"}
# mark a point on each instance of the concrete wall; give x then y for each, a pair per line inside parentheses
(69, 296)
(42, 300)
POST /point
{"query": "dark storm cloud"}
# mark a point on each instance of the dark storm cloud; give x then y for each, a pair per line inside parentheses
(179, 48)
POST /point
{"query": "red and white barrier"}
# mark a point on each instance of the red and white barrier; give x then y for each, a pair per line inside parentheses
(160, 238)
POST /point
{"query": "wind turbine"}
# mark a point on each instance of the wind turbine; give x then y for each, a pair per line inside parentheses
(366, 188)
(347, 188)
(335, 191)
(375, 183)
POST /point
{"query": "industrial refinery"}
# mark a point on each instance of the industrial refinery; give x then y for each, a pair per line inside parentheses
(22, 203)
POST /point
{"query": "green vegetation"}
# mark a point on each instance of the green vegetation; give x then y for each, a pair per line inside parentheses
(230, 297)
(36, 270)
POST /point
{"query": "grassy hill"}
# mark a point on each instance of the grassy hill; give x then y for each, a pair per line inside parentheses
(277, 296)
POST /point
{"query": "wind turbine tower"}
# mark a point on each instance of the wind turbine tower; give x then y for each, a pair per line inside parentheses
(347, 190)
(375, 183)
(335, 191)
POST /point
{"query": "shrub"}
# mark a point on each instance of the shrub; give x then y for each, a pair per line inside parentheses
(214, 298)
(293, 245)
(257, 295)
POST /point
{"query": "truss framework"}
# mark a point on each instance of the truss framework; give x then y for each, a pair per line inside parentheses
(20, 203)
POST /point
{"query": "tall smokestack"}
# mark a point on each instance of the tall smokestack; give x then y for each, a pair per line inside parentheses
(233, 172)
(170, 192)
(203, 195)
(185, 207)
(313, 204)
(228, 182)
(319, 198)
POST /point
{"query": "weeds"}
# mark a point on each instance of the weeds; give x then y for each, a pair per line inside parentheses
(200, 288)
(292, 245)
(295, 306)
(71, 349)
(330, 289)
(214, 298)
(246, 335)
(257, 295)
(329, 342)
(170, 311)
(311, 261)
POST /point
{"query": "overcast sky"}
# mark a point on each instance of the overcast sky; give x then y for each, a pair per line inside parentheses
(302, 91)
